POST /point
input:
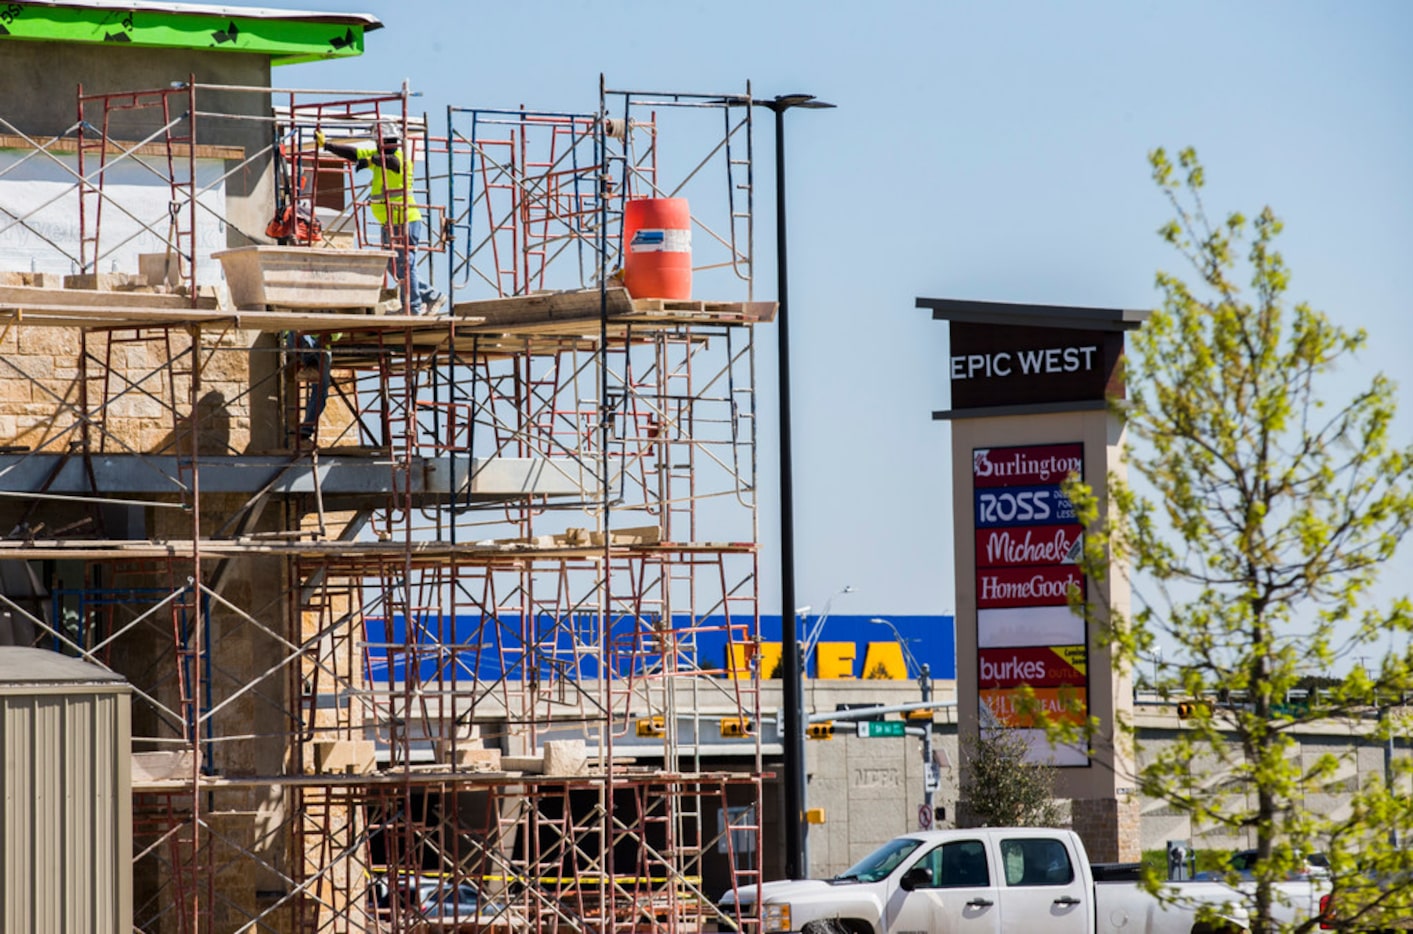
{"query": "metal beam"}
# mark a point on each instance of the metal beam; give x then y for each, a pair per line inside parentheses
(141, 475)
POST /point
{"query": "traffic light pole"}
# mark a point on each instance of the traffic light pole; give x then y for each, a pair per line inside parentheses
(929, 783)
(868, 713)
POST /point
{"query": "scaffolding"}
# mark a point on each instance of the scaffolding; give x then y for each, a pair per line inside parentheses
(460, 660)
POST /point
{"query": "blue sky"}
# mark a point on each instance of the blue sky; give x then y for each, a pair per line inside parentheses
(989, 151)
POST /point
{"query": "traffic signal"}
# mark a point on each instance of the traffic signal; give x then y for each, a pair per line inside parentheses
(823, 730)
(1187, 709)
(651, 727)
(735, 727)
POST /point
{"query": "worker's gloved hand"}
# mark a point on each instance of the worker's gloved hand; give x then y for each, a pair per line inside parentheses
(318, 139)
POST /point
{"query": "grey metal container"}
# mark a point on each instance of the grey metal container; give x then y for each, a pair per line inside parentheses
(65, 795)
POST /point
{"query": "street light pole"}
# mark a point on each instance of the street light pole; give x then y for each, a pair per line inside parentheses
(796, 863)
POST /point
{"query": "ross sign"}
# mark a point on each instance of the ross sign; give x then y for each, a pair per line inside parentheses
(875, 728)
(1021, 506)
(924, 817)
(993, 366)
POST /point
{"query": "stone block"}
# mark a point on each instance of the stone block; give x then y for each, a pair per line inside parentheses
(232, 367)
(530, 765)
(13, 391)
(237, 876)
(42, 280)
(566, 757)
(159, 269)
(469, 758)
(136, 358)
(60, 342)
(148, 767)
(344, 757)
(35, 366)
(107, 282)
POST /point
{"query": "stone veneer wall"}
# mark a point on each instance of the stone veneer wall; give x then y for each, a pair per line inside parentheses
(1109, 828)
(149, 408)
(149, 411)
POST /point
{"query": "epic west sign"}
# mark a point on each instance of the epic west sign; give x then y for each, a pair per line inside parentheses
(992, 366)
(1030, 386)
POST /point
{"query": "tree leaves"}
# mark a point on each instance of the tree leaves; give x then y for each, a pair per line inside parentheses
(1272, 509)
(1003, 788)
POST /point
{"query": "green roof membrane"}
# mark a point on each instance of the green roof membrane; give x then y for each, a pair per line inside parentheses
(300, 38)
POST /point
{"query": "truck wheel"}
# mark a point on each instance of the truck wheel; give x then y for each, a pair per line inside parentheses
(836, 926)
(1207, 927)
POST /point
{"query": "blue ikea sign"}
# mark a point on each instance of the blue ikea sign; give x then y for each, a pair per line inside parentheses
(464, 650)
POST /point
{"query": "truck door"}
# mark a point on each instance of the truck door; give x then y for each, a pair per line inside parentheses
(952, 888)
(1042, 889)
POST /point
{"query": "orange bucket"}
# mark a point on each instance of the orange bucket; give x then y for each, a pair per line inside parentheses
(657, 251)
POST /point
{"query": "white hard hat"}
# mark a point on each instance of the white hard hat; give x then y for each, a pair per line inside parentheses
(388, 130)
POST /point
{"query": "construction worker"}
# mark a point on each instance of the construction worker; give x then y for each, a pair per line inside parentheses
(309, 352)
(393, 207)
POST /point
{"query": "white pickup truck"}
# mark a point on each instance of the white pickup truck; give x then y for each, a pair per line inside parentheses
(988, 881)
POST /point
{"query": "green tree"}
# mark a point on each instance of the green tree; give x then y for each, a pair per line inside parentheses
(1266, 512)
(1002, 788)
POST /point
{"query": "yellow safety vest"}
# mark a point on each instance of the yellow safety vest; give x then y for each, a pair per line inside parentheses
(390, 189)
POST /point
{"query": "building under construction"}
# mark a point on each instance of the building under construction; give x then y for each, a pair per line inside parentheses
(431, 622)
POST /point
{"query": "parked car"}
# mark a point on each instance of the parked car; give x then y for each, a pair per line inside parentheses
(1242, 862)
(436, 905)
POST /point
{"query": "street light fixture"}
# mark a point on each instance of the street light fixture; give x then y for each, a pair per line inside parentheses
(924, 683)
(796, 863)
(813, 633)
(909, 659)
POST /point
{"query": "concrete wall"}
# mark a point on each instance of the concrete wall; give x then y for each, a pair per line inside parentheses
(870, 789)
(38, 104)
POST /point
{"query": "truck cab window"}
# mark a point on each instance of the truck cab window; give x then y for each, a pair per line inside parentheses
(960, 865)
(955, 866)
(1036, 862)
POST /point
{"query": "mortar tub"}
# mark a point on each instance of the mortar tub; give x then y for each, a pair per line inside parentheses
(304, 277)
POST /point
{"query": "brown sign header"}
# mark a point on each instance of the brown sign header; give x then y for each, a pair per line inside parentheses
(993, 365)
